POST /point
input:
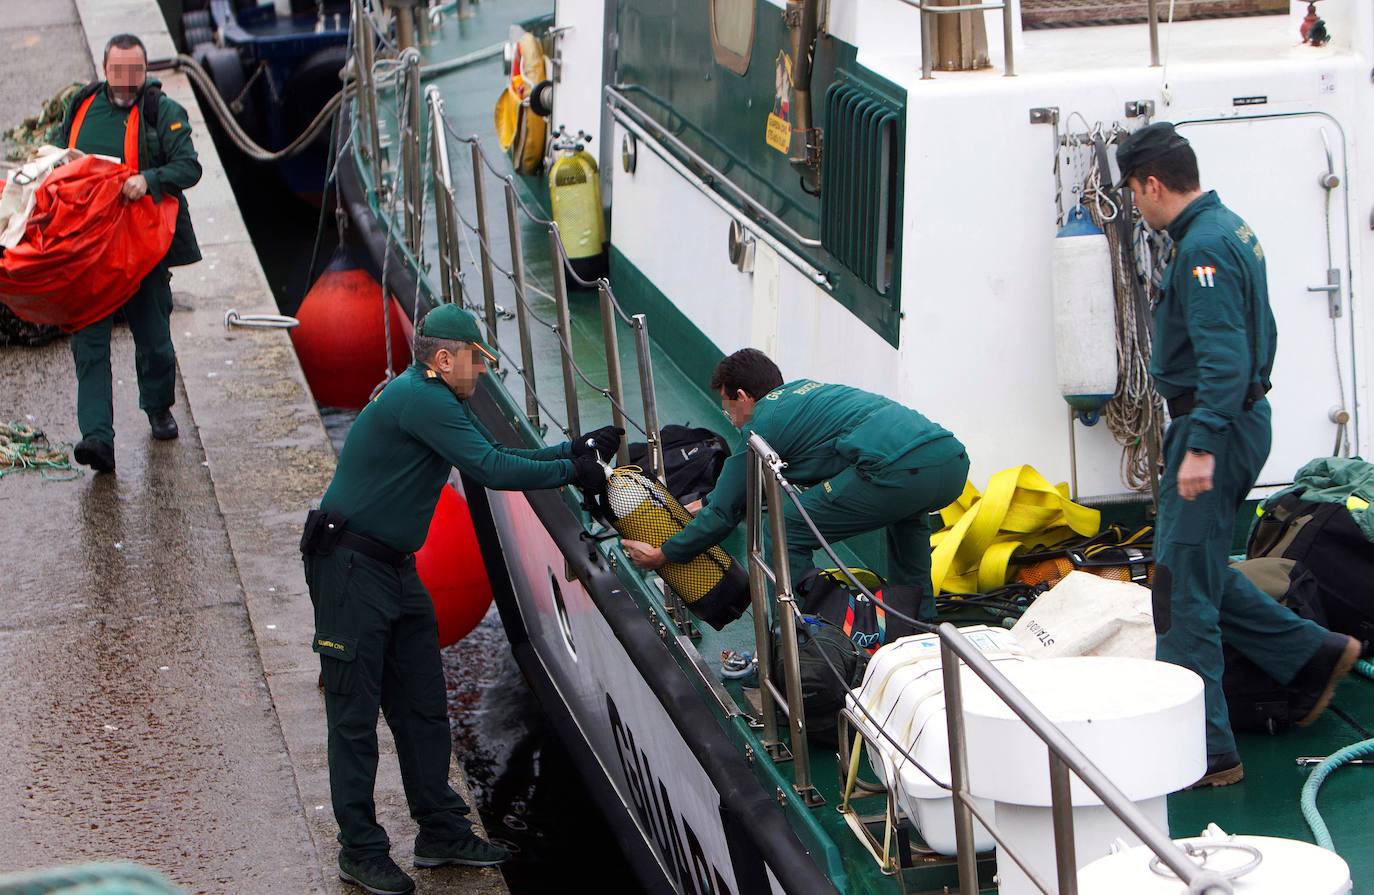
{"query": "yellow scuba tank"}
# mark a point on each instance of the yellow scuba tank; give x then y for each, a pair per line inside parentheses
(522, 132)
(714, 586)
(575, 193)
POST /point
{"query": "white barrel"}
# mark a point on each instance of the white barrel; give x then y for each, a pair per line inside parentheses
(1084, 314)
(1287, 867)
(903, 688)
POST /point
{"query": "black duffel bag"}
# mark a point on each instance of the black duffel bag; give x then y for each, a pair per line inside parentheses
(1254, 700)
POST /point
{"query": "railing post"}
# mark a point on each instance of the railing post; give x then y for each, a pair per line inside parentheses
(560, 297)
(363, 43)
(479, 200)
(1008, 50)
(410, 153)
(958, 771)
(450, 259)
(787, 633)
(1154, 33)
(649, 395)
(614, 382)
(522, 317)
(927, 42)
(1061, 810)
(758, 599)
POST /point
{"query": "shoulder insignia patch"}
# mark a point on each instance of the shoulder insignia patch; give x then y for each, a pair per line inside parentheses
(175, 126)
(1205, 276)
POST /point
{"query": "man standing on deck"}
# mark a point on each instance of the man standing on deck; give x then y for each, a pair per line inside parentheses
(875, 464)
(1214, 342)
(375, 630)
(129, 110)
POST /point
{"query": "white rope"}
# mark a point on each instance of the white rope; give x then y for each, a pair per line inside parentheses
(1135, 415)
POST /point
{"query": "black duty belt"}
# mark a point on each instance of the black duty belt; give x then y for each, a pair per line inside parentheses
(378, 551)
(1184, 403)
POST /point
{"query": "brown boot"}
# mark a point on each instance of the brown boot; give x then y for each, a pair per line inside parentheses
(1222, 770)
(1316, 682)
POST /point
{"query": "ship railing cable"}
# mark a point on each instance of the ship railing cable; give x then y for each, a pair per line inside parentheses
(504, 178)
(563, 338)
(533, 283)
(955, 646)
(391, 70)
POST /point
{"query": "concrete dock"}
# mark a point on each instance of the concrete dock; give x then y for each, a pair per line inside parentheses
(160, 694)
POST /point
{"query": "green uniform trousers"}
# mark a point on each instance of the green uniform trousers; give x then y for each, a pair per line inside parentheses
(149, 314)
(379, 647)
(1199, 599)
(899, 499)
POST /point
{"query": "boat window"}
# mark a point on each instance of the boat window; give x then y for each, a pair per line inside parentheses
(1087, 13)
(732, 33)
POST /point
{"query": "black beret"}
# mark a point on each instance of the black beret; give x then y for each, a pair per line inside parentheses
(1146, 145)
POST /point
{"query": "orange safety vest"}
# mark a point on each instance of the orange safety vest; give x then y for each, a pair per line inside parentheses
(130, 130)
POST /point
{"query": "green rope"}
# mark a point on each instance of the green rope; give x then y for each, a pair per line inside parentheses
(1308, 802)
(24, 448)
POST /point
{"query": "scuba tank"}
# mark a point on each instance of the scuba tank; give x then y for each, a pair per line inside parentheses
(1084, 315)
(575, 194)
(712, 584)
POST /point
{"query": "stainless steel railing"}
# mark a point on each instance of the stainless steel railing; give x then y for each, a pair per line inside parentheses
(766, 482)
(414, 183)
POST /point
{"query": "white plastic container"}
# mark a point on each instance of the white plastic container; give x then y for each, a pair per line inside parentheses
(1287, 867)
(903, 688)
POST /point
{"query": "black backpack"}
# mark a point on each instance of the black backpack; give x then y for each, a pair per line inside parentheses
(692, 459)
(831, 665)
(1325, 540)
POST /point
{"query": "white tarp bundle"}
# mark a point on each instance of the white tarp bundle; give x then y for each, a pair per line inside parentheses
(16, 202)
(1085, 615)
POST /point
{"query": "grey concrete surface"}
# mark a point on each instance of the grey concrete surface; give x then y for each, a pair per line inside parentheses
(168, 602)
(42, 50)
(137, 720)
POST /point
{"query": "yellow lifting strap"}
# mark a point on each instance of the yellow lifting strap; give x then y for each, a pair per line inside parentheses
(1020, 510)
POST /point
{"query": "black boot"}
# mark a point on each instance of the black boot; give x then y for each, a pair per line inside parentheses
(98, 455)
(163, 424)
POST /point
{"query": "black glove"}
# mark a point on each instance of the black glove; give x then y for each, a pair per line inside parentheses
(604, 441)
(589, 475)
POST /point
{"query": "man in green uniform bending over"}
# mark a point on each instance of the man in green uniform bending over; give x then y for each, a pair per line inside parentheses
(873, 464)
(375, 629)
(99, 121)
(1214, 341)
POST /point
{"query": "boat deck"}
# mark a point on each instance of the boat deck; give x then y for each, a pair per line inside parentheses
(1266, 803)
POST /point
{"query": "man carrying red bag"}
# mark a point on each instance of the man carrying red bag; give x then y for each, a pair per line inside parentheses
(126, 116)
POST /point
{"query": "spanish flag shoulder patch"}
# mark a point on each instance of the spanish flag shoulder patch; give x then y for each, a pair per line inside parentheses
(175, 126)
(1205, 276)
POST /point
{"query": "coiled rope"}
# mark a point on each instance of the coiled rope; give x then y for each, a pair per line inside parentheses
(25, 448)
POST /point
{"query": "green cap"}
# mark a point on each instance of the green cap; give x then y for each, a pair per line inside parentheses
(456, 324)
(1146, 145)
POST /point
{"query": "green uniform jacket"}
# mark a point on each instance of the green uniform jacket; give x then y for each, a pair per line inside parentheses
(1214, 333)
(818, 430)
(167, 156)
(400, 450)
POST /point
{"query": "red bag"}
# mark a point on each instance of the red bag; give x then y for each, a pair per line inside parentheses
(86, 247)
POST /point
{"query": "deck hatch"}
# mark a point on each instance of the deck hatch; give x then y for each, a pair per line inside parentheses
(861, 168)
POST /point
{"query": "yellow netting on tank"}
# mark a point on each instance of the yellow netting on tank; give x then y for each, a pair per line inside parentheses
(645, 511)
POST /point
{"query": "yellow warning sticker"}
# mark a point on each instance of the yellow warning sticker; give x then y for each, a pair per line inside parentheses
(779, 133)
